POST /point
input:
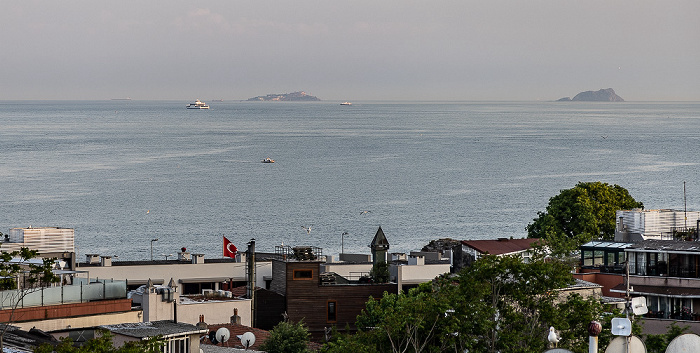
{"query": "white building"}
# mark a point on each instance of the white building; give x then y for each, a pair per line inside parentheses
(192, 272)
(50, 242)
(638, 224)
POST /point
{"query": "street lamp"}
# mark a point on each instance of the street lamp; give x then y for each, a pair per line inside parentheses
(152, 240)
(342, 242)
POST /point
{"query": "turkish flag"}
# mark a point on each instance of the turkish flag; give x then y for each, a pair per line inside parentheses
(230, 250)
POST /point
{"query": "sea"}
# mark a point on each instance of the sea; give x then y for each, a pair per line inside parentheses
(122, 173)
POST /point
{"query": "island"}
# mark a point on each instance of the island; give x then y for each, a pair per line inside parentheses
(603, 95)
(290, 97)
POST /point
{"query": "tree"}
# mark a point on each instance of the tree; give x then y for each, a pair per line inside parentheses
(659, 343)
(380, 272)
(20, 276)
(499, 304)
(581, 214)
(287, 337)
(104, 344)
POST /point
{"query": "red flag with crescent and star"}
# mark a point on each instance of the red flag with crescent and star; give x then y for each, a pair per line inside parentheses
(230, 250)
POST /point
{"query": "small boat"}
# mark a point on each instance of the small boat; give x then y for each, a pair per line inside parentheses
(197, 105)
(346, 103)
(268, 160)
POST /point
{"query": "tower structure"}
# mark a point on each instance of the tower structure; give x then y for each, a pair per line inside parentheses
(380, 247)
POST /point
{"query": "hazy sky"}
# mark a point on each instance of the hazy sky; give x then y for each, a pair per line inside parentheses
(350, 50)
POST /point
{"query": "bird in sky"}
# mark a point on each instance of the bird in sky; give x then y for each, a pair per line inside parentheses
(307, 229)
(553, 336)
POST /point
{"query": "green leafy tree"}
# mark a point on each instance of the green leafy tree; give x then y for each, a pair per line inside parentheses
(19, 276)
(380, 272)
(287, 337)
(499, 304)
(581, 214)
(104, 344)
(659, 343)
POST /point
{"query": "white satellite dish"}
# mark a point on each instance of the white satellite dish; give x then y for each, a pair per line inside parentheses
(223, 334)
(621, 326)
(639, 306)
(619, 345)
(558, 350)
(688, 342)
(247, 339)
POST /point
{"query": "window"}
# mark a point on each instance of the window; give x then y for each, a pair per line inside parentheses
(587, 257)
(177, 345)
(331, 311)
(303, 274)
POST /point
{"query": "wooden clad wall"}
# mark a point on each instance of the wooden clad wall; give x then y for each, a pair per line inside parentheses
(308, 300)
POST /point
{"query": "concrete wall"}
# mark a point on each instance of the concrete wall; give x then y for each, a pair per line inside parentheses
(179, 271)
(416, 274)
(607, 280)
(345, 269)
(82, 321)
(215, 312)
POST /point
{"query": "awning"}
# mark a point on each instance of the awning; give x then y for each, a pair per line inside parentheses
(210, 279)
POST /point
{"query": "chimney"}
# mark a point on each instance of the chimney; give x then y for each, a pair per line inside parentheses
(197, 258)
(184, 255)
(235, 319)
(201, 324)
(416, 260)
(106, 261)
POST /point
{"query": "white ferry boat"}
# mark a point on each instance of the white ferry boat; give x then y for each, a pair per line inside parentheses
(197, 105)
(346, 103)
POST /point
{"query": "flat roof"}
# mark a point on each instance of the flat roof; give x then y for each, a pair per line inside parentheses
(165, 328)
(667, 245)
(606, 244)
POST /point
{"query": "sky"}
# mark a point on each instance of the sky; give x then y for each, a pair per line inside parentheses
(459, 50)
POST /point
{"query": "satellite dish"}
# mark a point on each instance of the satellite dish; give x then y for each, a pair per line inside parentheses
(639, 306)
(621, 326)
(619, 345)
(222, 334)
(247, 339)
(688, 342)
(558, 350)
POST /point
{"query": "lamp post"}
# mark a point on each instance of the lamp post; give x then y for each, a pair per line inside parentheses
(152, 240)
(342, 242)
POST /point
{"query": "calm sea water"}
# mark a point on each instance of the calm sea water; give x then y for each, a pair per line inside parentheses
(124, 172)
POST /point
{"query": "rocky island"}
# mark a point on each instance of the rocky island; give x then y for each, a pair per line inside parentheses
(290, 97)
(603, 95)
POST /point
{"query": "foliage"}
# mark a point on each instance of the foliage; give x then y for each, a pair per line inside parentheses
(287, 337)
(14, 266)
(581, 214)
(380, 272)
(659, 343)
(499, 304)
(103, 344)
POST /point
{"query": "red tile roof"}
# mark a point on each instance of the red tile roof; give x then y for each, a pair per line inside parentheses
(237, 330)
(501, 245)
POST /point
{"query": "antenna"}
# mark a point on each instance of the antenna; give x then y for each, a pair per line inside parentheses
(247, 339)
(223, 334)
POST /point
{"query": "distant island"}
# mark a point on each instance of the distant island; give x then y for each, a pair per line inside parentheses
(603, 95)
(294, 96)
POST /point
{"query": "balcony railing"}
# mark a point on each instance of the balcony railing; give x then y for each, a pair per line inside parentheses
(79, 292)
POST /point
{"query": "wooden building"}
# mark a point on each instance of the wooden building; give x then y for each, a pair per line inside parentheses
(322, 300)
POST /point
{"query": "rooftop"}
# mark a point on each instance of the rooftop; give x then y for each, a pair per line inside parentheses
(666, 245)
(501, 245)
(144, 330)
